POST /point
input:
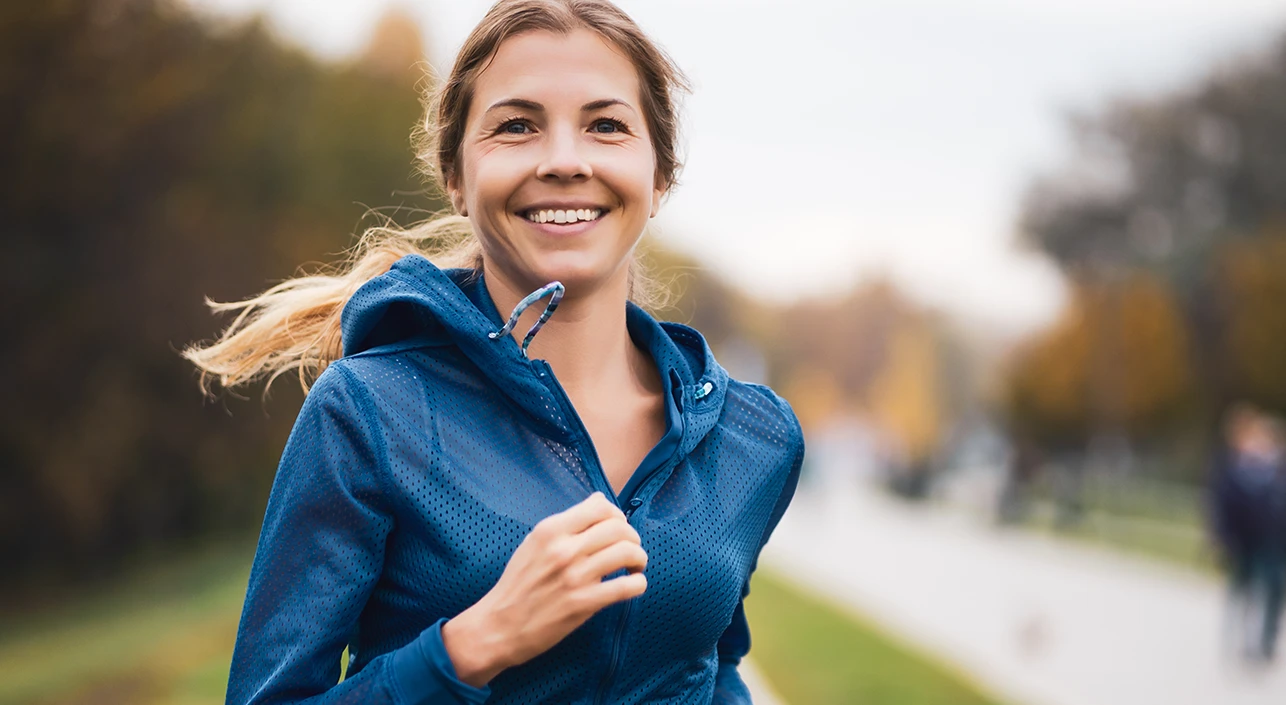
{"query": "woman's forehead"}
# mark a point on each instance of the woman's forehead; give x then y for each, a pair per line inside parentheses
(548, 67)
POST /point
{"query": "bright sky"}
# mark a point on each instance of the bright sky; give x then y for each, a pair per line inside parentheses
(827, 141)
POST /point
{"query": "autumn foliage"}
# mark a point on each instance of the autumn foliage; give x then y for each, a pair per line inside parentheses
(152, 158)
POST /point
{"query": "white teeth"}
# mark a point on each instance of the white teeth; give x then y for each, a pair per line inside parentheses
(564, 216)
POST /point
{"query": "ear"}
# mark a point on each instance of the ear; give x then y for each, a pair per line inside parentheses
(454, 193)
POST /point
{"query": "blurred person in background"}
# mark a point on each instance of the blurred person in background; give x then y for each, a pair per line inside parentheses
(473, 522)
(1248, 514)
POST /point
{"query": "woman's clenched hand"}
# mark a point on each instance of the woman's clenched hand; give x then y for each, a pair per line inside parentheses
(552, 584)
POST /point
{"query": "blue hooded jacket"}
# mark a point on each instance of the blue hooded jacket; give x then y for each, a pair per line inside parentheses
(423, 457)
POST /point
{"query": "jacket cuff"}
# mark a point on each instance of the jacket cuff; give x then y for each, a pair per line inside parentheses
(425, 675)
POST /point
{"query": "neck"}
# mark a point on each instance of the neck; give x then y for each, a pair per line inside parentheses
(586, 341)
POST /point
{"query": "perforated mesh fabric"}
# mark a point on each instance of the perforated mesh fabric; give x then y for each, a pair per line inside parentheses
(418, 465)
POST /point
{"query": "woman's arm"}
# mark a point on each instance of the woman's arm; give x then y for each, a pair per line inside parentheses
(733, 646)
(729, 689)
(320, 553)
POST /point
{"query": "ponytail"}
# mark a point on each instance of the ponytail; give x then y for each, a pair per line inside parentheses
(295, 325)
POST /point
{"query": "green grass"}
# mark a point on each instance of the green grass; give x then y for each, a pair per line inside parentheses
(1145, 517)
(1178, 539)
(812, 652)
(162, 635)
(1177, 544)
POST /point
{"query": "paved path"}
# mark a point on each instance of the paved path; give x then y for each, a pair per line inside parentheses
(1034, 620)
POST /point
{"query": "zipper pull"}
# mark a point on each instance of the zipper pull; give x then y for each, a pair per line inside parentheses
(633, 505)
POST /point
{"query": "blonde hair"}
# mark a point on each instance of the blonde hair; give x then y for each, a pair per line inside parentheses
(295, 325)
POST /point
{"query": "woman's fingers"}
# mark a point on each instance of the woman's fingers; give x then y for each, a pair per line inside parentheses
(609, 592)
(604, 534)
(623, 554)
(579, 517)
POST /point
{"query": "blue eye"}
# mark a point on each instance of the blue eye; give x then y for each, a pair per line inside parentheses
(607, 126)
(514, 127)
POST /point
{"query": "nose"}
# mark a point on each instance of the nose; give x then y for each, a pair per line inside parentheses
(563, 157)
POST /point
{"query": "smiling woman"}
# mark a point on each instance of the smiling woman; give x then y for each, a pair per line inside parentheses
(572, 518)
(562, 134)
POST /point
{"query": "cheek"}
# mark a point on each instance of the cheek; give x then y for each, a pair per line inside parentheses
(635, 173)
(488, 175)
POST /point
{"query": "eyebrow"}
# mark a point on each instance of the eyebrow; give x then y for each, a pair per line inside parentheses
(532, 105)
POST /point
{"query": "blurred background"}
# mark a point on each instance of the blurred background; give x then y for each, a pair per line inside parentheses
(1020, 268)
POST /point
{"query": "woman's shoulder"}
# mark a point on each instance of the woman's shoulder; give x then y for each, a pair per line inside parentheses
(761, 399)
(416, 352)
(757, 406)
(395, 369)
(756, 413)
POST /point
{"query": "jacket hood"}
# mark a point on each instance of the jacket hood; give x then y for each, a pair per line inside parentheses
(416, 305)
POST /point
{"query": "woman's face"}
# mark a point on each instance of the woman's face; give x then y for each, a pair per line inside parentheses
(556, 171)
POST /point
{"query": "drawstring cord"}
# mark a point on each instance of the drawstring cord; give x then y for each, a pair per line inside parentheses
(555, 288)
(555, 291)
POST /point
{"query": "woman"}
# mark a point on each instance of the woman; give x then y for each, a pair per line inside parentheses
(478, 516)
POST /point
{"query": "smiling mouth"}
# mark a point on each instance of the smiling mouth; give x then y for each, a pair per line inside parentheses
(561, 217)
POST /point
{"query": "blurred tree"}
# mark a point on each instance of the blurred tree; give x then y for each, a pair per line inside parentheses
(396, 45)
(1053, 395)
(907, 397)
(151, 159)
(1254, 276)
(1160, 182)
(868, 353)
(874, 355)
(848, 336)
(1191, 186)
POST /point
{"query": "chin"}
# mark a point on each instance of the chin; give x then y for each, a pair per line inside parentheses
(577, 272)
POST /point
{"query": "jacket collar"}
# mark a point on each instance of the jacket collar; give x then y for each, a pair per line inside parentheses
(416, 304)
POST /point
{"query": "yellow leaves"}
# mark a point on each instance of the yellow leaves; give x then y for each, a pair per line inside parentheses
(1254, 286)
(1049, 378)
(813, 394)
(906, 396)
(1118, 356)
(1154, 352)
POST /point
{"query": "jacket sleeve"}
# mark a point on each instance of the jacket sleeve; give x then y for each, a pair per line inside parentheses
(320, 553)
(733, 646)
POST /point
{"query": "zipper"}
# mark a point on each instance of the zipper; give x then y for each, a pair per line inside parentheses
(646, 486)
(616, 654)
(606, 683)
(546, 373)
(635, 502)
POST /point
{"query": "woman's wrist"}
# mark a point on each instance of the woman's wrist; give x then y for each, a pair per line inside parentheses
(476, 651)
